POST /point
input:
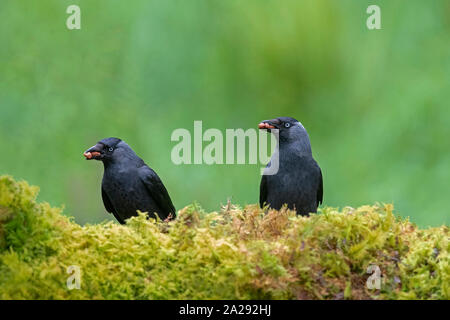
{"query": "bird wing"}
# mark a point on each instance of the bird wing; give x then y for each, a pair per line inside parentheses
(263, 191)
(156, 189)
(109, 207)
(320, 191)
(107, 202)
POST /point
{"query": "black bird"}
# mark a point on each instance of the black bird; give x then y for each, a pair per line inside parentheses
(128, 183)
(298, 181)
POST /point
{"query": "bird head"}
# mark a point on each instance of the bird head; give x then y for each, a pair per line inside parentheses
(285, 125)
(104, 150)
(290, 130)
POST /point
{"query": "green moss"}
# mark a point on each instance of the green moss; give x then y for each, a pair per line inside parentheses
(232, 254)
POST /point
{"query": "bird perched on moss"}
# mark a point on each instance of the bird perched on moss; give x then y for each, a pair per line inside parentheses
(298, 181)
(128, 183)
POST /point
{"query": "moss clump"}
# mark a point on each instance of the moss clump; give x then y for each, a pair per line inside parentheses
(232, 254)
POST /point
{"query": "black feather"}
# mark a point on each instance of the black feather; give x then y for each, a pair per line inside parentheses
(298, 182)
(263, 192)
(129, 185)
(157, 191)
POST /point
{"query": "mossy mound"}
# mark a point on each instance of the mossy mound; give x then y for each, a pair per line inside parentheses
(232, 254)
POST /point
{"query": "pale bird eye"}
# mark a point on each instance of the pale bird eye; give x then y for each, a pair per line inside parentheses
(287, 124)
(110, 149)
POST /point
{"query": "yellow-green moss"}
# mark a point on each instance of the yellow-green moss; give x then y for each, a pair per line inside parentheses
(232, 254)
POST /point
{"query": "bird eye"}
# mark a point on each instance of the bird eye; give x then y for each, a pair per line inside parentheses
(110, 149)
(287, 124)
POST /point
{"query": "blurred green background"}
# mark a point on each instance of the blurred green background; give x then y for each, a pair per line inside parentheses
(375, 103)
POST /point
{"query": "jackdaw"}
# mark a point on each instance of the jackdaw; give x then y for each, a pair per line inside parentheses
(128, 183)
(298, 182)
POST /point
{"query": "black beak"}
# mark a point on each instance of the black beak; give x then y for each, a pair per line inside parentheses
(94, 152)
(269, 124)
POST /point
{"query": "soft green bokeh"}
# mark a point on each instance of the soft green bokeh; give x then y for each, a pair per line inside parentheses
(375, 103)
